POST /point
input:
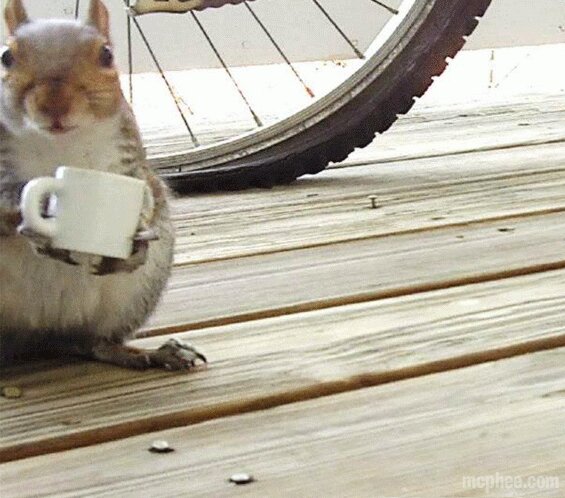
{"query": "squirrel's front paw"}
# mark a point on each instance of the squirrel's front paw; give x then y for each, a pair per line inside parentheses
(36, 240)
(42, 246)
(9, 222)
(109, 266)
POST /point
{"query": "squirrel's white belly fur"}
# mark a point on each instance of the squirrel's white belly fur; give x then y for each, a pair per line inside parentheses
(39, 293)
(42, 294)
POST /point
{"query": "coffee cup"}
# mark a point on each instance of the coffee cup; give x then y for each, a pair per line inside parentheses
(89, 211)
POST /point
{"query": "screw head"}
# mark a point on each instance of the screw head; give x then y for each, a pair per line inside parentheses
(373, 199)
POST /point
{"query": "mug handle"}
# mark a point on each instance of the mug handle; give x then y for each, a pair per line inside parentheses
(31, 205)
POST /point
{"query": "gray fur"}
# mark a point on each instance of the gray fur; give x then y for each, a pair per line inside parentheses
(47, 305)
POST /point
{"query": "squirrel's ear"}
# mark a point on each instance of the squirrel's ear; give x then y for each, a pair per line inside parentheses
(99, 18)
(15, 15)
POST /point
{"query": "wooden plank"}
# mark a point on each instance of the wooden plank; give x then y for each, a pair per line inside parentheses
(417, 438)
(436, 130)
(271, 362)
(427, 131)
(232, 290)
(334, 207)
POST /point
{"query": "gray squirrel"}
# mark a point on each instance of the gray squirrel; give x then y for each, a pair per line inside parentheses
(61, 104)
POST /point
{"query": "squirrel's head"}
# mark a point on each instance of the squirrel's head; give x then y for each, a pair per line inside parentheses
(59, 75)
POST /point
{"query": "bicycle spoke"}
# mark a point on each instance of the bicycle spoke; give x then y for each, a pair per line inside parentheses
(175, 97)
(385, 6)
(358, 53)
(226, 68)
(279, 50)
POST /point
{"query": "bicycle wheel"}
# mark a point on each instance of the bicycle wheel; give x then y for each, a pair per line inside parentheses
(399, 66)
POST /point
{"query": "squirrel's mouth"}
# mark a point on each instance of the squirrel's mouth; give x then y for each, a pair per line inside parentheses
(58, 128)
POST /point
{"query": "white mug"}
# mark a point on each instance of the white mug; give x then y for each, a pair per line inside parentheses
(92, 211)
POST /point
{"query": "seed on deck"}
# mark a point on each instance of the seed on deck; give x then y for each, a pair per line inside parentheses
(11, 392)
(242, 478)
(160, 447)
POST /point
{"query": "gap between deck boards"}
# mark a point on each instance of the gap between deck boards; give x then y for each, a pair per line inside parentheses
(258, 287)
(334, 207)
(420, 437)
(230, 409)
(408, 231)
(434, 155)
(353, 299)
(124, 429)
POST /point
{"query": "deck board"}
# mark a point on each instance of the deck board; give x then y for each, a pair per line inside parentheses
(280, 360)
(234, 290)
(471, 127)
(426, 131)
(415, 438)
(334, 206)
(395, 339)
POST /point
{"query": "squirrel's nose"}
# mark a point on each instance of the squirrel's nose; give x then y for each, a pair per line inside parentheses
(54, 98)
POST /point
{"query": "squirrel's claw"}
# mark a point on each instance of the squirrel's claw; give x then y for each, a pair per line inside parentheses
(42, 246)
(62, 255)
(35, 238)
(106, 266)
(145, 236)
(175, 354)
(109, 266)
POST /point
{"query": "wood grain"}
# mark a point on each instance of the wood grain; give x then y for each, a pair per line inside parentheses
(264, 363)
(427, 131)
(334, 207)
(234, 290)
(417, 438)
(443, 130)
(390, 345)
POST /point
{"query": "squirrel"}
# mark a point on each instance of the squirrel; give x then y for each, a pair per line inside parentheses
(61, 104)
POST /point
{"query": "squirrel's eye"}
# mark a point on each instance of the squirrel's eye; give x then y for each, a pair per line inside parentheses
(106, 56)
(7, 58)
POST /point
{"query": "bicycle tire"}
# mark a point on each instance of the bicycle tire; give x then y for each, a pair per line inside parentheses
(405, 76)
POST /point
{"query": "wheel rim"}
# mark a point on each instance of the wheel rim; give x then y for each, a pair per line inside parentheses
(391, 39)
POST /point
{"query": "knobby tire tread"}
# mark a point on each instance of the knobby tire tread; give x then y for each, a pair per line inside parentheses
(355, 125)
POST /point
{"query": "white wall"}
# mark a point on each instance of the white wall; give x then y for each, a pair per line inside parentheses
(301, 30)
(511, 23)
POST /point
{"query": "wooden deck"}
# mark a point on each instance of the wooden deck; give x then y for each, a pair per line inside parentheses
(416, 349)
